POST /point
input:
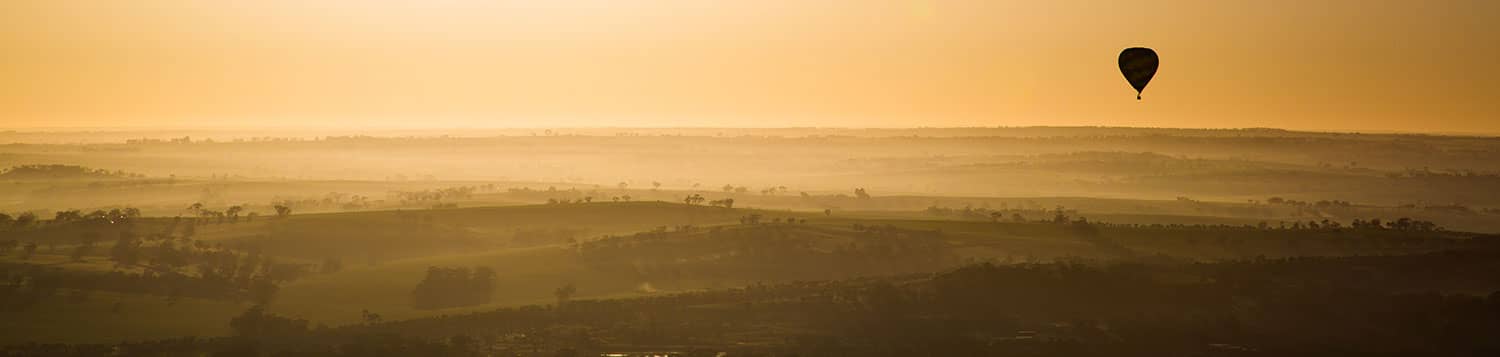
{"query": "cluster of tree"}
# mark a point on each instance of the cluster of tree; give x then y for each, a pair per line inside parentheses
(19, 221)
(996, 215)
(552, 195)
(765, 251)
(27, 284)
(165, 254)
(585, 199)
(726, 203)
(572, 193)
(891, 231)
(1318, 204)
(772, 191)
(1449, 208)
(230, 214)
(544, 236)
(329, 201)
(1061, 215)
(454, 287)
(1426, 173)
(189, 140)
(168, 266)
(861, 193)
(756, 218)
(432, 196)
(1400, 224)
(99, 217)
(62, 172)
(750, 219)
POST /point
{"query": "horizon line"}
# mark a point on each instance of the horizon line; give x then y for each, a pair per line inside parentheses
(273, 128)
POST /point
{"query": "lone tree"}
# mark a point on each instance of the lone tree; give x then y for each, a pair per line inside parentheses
(234, 213)
(283, 211)
(564, 294)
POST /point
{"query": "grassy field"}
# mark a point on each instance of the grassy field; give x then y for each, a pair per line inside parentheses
(407, 242)
(527, 275)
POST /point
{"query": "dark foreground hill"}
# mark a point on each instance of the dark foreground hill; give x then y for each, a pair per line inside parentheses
(1379, 305)
(336, 269)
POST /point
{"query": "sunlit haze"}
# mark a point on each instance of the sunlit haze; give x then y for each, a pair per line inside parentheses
(749, 178)
(1343, 65)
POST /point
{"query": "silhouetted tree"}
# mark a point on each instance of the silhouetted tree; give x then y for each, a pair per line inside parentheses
(369, 317)
(234, 213)
(67, 216)
(861, 193)
(25, 219)
(751, 219)
(564, 294)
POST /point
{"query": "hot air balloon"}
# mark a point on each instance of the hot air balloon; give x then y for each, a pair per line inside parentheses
(1139, 65)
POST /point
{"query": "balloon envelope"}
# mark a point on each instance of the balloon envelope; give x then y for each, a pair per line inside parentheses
(1139, 65)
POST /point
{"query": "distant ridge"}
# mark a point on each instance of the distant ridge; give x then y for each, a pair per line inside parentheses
(120, 135)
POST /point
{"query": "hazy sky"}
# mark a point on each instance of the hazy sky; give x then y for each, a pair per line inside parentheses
(1301, 64)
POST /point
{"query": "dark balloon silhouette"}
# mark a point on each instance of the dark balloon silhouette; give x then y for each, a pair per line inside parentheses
(1139, 65)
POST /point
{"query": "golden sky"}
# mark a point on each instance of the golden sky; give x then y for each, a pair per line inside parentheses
(1370, 65)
